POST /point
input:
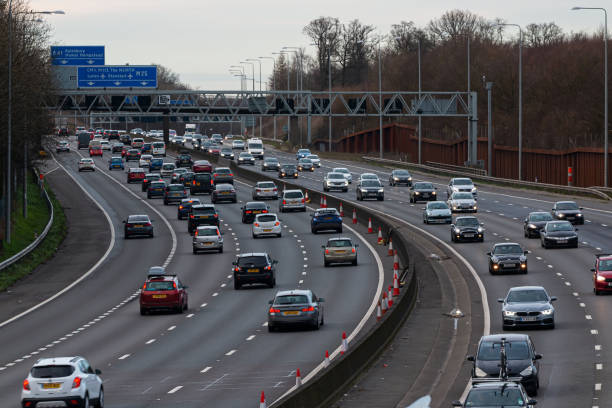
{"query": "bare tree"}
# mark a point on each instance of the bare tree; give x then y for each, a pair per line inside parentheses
(405, 36)
(543, 34)
(458, 24)
(324, 32)
(354, 51)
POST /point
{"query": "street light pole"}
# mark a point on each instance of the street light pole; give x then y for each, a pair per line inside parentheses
(605, 87)
(329, 121)
(489, 88)
(253, 77)
(380, 107)
(260, 118)
(420, 118)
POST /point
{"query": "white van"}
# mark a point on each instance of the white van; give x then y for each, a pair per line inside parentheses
(159, 149)
(256, 148)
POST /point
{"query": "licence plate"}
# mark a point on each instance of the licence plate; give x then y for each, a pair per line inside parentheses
(257, 212)
(51, 385)
(253, 270)
(267, 230)
(509, 265)
(529, 318)
(425, 195)
(468, 235)
(340, 252)
(291, 313)
(327, 218)
(197, 184)
(159, 296)
(138, 226)
(208, 243)
(562, 241)
(225, 192)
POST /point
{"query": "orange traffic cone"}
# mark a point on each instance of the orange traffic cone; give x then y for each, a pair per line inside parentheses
(307, 199)
(262, 401)
(341, 210)
(298, 378)
(396, 290)
(395, 261)
(385, 304)
(321, 203)
(390, 253)
(380, 238)
(390, 295)
(324, 202)
(354, 216)
(378, 311)
(370, 230)
(344, 344)
(326, 361)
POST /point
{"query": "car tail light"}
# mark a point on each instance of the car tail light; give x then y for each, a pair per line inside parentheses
(211, 183)
(231, 175)
(268, 268)
(76, 383)
(264, 211)
(353, 250)
(236, 269)
(248, 211)
(148, 224)
(218, 233)
(193, 183)
(276, 224)
(128, 225)
(174, 285)
(284, 202)
(327, 251)
(272, 310)
(180, 207)
(144, 286)
(256, 224)
(26, 385)
(185, 192)
(214, 175)
(275, 189)
(302, 201)
(308, 309)
(216, 215)
(190, 215)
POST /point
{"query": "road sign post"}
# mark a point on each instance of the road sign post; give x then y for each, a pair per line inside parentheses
(117, 76)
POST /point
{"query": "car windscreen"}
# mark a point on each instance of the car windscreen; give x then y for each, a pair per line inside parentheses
(495, 397)
(247, 155)
(559, 226)
(423, 186)
(305, 161)
(294, 194)
(605, 265)
(255, 146)
(369, 177)
(462, 196)
(116, 160)
(203, 211)
(169, 166)
(202, 177)
(226, 150)
(437, 206)
(266, 218)
(157, 161)
(462, 182)
(159, 285)
(401, 173)
(321, 213)
(158, 184)
(340, 170)
(338, 243)
(271, 160)
(252, 260)
(222, 171)
(266, 185)
(528, 295)
(335, 176)
(567, 206)
(467, 222)
(370, 183)
(540, 217)
(508, 249)
(52, 371)
(138, 218)
(172, 187)
(313, 157)
(255, 206)
(158, 144)
(291, 300)
(207, 232)
(515, 350)
(289, 167)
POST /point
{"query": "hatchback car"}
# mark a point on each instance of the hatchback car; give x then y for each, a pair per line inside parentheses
(184, 160)
(345, 171)
(238, 145)
(296, 307)
(167, 169)
(174, 193)
(87, 164)
(335, 181)
(184, 207)
(202, 183)
(602, 274)
(223, 175)
(138, 225)
(437, 212)
(135, 175)
(70, 381)
(227, 153)
(305, 164)
(326, 219)
(156, 164)
(288, 171)
(202, 166)
(316, 161)
(368, 176)
(569, 211)
(163, 292)
(62, 146)
(202, 214)
(149, 177)
(175, 178)
(534, 222)
(265, 190)
(251, 209)
(423, 191)
(95, 150)
(462, 202)
(252, 268)
(116, 147)
(461, 185)
(145, 160)
(186, 178)
(302, 153)
(558, 234)
(528, 306)
(522, 361)
(132, 155)
(156, 188)
(115, 163)
(207, 238)
(507, 257)
(266, 225)
(224, 192)
(270, 163)
(399, 177)
(246, 158)
(497, 394)
(339, 250)
(370, 189)
(467, 228)
(292, 200)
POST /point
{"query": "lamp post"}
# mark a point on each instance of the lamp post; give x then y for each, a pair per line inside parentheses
(253, 77)
(605, 87)
(420, 118)
(10, 112)
(520, 129)
(380, 107)
(259, 61)
(273, 87)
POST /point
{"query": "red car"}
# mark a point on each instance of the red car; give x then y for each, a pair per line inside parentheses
(163, 292)
(95, 151)
(214, 151)
(602, 274)
(135, 174)
(202, 166)
(124, 150)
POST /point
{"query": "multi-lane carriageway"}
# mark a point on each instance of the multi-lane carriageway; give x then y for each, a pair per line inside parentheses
(220, 353)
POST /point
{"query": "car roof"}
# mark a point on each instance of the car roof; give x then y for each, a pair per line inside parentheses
(339, 239)
(265, 215)
(539, 212)
(252, 254)
(290, 191)
(252, 203)
(495, 384)
(197, 206)
(506, 243)
(565, 202)
(461, 178)
(222, 168)
(306, 292)
(224, 186)
(464, 217)
(508, 337)
(262, 182)
(138, 215)
(604, 256)
(57, 361)
(208, 227)
(526, 288)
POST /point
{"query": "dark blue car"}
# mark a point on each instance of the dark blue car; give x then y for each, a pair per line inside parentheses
(115, 163)
(326, 219)
(156, 164)
(184, 207)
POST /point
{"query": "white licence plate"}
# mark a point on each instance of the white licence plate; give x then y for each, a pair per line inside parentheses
(562, 241)
(509, 265)
(529, 318)
(468, 235)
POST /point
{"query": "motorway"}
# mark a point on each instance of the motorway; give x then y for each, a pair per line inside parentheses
(219, 352)
(577, 356)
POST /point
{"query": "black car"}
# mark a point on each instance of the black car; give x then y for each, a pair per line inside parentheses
(558, 234)
(246, 158)
(223, 175)
(522, 361)
(136, 225)
(399, 177)
(223, 192)
(569, 211)
(254, 268)
(156, 189)
(132, 155)
(203, 214)
(270, 163)
(497, 394)
(186, 178)
(288, 171)
(227, 153)
(113, 135)
(184, 207)
(202, 183)
(423, 191)
(507, 257)
(184, 160)
(534, 222)
(251, 209)
(174, 193)
(370, 189)
(149, 177)
(467, 229)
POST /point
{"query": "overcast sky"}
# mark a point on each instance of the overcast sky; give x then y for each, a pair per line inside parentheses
(200, 39)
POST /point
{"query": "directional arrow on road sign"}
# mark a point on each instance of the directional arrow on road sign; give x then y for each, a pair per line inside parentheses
(64, 61)
(90, 61)
(117, 83)
(143, 83)
(90, 83)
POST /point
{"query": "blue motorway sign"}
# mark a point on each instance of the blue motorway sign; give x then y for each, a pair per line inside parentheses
(77, 55)
(117, 76)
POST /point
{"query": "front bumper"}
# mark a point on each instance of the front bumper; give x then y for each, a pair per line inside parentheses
(469, 236)
(540, 320)
(501, 266)
(570, 242)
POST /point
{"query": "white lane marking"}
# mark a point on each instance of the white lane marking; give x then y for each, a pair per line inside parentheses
(150, 341)
(229, 353)
(594, 331)
(581, 305)
(599, 366)
(223, 285)
(588, 317)
(568, 284)
(304, 273)
(598, 347)
(603, 225)
(575, 293)
(265, 324)
(539, 258)
(111, 245)
(215, 294)
(203, 304)
(300, 282)
(206, 369)
(598, 387)
(251, 337)
(229, 276)
(550, 266)
(599, 249)
(171, 328)
(190, 315)
(123, 357)
(175, 389)
(559, 274)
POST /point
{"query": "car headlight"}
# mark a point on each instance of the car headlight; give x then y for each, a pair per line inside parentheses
(457, 231)
(561, 215)
(509, 313)
(396, 178)
(480, 230)
(527, 371)
(380, 190)
(433, 193)
(601, 278)
(364, 190)
(409, 178)
(531, 226)
(523, 265)
(454, 207)
(479, 373)
(547, 312)
(416, 193)
(475, 207)
(474, 189)
(579, 215)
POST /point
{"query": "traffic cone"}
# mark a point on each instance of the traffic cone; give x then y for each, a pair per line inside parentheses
(344, 344)
(390, 247)
(354, 216)
(262, 401)
(396, 291)
(326, 361)
(324, 202)
(370, 230)
(395, 261)
(385, 305)
(298, 378)
(307, 199)
(380, 238)
(378, 311)
(341, 210)
(390, 295)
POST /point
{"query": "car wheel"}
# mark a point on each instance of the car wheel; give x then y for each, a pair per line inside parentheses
(279, 235)
(492, 272)
(303, 209)
(254, 236)
(180, 308)
(143, 311)
(85, 403)
(272, 283)
(315, 325)
(151, 235)
(354, 262)
(326, 263)
(597, 293)
(340, 230)
(314, 231)
(195, 251)
(221, 250)
(236, 284)
(271, 328)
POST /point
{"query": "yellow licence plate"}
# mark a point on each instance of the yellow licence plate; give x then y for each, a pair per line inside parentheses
(291, 313)
(197, 184)
(267, 230)
(340, 252)
(208, 243)
(159, 296)
(225, 192)
(138, 226)
(51, 385)
(253, 270)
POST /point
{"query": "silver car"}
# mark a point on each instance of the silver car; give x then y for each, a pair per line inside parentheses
(437, 212)
(314, 159)
(345, 171)
(207, 238)
(462, 202)
(461, 185)
(528, 306)
(265, 190)
(295, 307)
(265, 225)
(339, 250)
(167, 169)
(335, 181)
(292, 200)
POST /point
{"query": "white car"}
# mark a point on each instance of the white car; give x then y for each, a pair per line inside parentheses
(70, 381)
(238, 145)
(105, 145)
(266, 224)
(461, 185)
(167, 169)
(368, 176)
(462, 202)
(145, 160)
(87, 164)
(345, 171)
(314, 159)
(335, 181)
(207, 237)
(187, 138)
(159, 149)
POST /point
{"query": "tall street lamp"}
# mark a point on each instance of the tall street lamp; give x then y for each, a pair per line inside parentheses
(10, 111)
(253, 76)
(259, 61)
(520, 129)
(605, 87)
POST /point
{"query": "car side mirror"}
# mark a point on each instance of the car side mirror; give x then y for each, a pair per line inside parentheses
(538, 356)
(242, 208)
(526, 252)
(470, 358)
(553, 298)
(532, 402)
(356, 245)
(274, 262)
(323, 246)
(500, 300)
(580, 208)
(575, 229)
(123, 221)
(457, 403)
(97, 371)
(234, 263)
(488, 253)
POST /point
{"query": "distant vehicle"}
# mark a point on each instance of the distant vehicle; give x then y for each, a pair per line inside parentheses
(255, 148)
(136, 131)
(159, 149)
(339, 250)
(270, 163)
(223, 192)
(223, 175)
(167, 169)
(534, 222)
(203, 214)
(156, 188)
(399, 177)
(252, 268)
(147, 148)
(186, 178)
(462, 202)
(527, 306)
(370, 189)
(62, 146)
(207, 238)
(83, 140)
(132, 154)
(265, 225)
(116, 147)
(251, 209)
(246, 158)
(288, 171)
(227, 153)
(63, 132)
(217, 137)
(125, 138)
(149, 177)
(368, 176)
(265, 190)
(569, 211)
(86, 164)
(138, 225)
(115, 163)
(423, 191)
(302, 153)
(238, 145)
(184, 160)
(497, 394)
(156, 163)
(461, 185)
(467, 228)
(296, 307)
(113, 135)
(314, 159)
(145, 160)
(202, 183)
(305, 164)
(507, 257)
(326, 219)
(292, 200)
(174, 193)
(201, 166)
(345, 171)
(95, 150)
(163, 292)
(335, 181)
(135, 174)
(558, 234)
(602, 274)
(185, 205)
(137, 142)
(437, 212)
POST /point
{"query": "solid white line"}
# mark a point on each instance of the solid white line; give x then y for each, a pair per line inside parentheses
(111, 244)
(599, 366)
(251, 337)
(171, 328)
(175, 389)
(594, 331)
(206, 369)
(588, 317)
(598, 347)
(150, 341)
(229, 353)
(123, 357)
(598, 387)
(203, 304)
